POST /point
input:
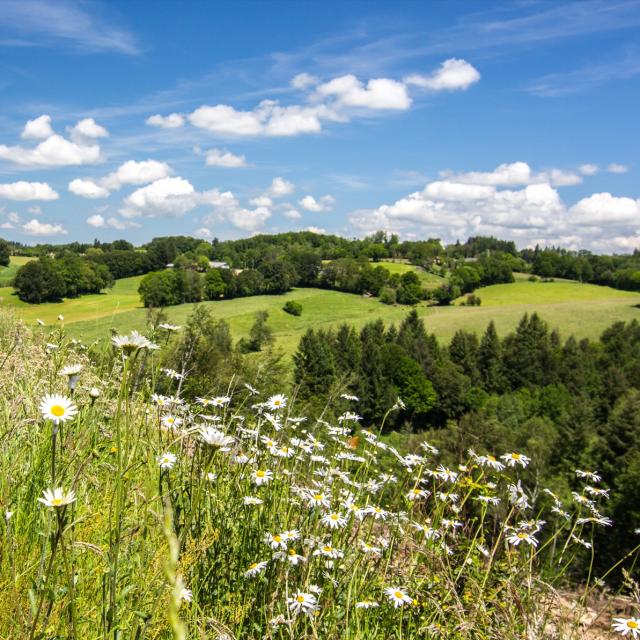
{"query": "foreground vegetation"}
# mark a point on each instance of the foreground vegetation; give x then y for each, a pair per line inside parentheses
(135, 509)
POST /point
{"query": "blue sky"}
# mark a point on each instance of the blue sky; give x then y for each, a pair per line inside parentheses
(225, 119)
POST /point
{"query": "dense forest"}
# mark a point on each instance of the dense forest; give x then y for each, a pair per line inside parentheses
(273, 264)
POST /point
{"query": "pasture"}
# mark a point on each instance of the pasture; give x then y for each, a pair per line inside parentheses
(427, 279)
(7, 274)
(579, 309)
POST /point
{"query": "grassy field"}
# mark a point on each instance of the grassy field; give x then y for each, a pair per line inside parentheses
(582, 310)
(579, 309)
(122, 297)
(7, 274)
(428, 280)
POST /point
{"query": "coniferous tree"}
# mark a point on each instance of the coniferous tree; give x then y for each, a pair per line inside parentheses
(375, 387)
(490, 366)
(463, 351)
(413, 338)
(314, 365)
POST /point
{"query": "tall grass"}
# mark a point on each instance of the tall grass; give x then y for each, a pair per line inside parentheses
(213, 519)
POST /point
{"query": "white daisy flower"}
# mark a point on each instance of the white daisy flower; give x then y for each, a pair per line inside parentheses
(186, 595)
(302, 602)
(398, 597)
(328, 551)
(490, 461)
(513, 459)
(216, 438)
(255, 569)
(276, 402)
(521, 536)
(171, 422)
(57, 497)
(167, 460)
(251, 500)
(57, 408)
(367, 604)
(416, 494)
(275, 540)
(590, 475)
(318, 499)
(72, 372)
(294, 557)
(261, 476)
(334, 520)
(627, 627)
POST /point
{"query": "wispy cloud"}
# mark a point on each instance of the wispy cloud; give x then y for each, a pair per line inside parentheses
(84, 26)
(586, 78)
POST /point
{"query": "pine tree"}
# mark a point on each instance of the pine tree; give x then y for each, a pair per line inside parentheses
(490, 366)
(463, 351)
(413, 338)
(314, 365)
(375, 386)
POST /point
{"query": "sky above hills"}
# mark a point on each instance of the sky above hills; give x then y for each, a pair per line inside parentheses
(226, 119)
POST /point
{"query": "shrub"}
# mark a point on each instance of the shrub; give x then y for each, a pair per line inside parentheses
(473, 300)
(388, 295)
(293, 307)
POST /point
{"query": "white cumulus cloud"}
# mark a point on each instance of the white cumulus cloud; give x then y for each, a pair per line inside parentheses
(86, 188)
(96, 221)
(88, 128)
(134, 172)
(606, 209)
(378, 93)
(55, 151)
(280, 188)
(224, 158)
(36, 228)
(23, 190)
(311, 204)
(38, 128)
(453, 74)
(172, 121)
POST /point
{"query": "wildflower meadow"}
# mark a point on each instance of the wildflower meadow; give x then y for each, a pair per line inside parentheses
(130, 513)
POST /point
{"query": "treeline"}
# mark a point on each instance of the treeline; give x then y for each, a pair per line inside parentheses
(331, 262)
(568, 404)
(47, 279)
(618, 271)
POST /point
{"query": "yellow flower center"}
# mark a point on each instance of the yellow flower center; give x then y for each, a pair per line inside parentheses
(260, 474)
(398, 595)
(334, 516)
(491, 459)
(318, 496)
(277, 538)
(57, 410)
(299, 598)
(277, 403)
(521, 535)
(516, 456)
(327, 548)
(56, 502)
(632, 625)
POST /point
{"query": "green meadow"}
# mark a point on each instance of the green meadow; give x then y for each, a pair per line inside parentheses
(7, 274)
(580, 309)
(427, 279)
